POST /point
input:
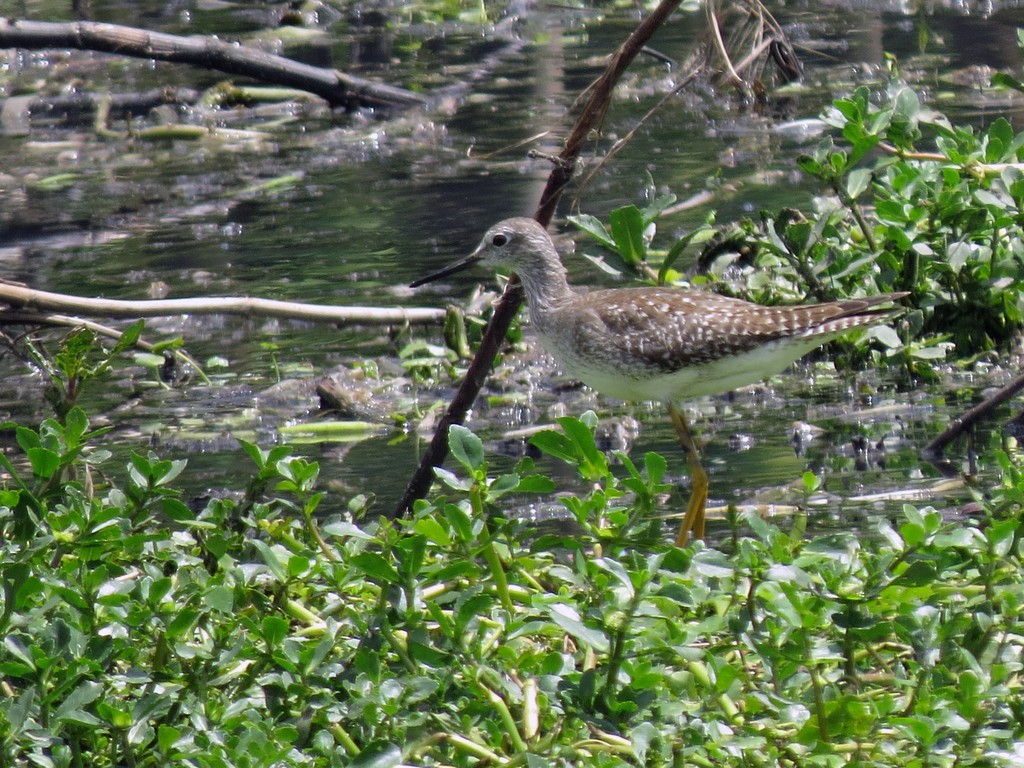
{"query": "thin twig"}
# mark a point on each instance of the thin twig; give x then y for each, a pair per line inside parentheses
(719, 45)
(695, 66)
(625, 140)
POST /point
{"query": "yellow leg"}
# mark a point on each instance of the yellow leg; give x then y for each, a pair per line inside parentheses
(693, 521)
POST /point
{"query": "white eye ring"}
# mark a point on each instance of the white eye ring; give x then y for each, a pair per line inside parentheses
(499, 240)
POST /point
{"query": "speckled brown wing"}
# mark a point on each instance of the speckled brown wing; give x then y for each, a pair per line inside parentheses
(685, 328)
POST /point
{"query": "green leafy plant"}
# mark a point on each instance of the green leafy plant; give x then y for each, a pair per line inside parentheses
(915, 204)
(945, 221)
(271, 627)
(79, 361)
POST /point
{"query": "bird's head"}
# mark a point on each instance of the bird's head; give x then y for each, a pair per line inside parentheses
(520, 244)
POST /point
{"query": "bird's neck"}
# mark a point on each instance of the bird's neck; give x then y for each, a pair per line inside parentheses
(547, 288)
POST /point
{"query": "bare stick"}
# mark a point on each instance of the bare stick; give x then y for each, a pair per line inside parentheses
(20, 297)
(591, 116)
(338, 88)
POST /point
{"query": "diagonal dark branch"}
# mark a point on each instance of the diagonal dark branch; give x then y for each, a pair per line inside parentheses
(590, 118)
(933, 451)
(338, 88)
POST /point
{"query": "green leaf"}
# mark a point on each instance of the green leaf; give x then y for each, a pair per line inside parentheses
(77, 716)
(919, 574)
(592, 463)
(182, 623)
(906, 104)
(271, 559)
(168, 471)
(428, 654)
(699, 235)
(45, 462)
(15, 577)
(86, 693)
(656, 465)
(220, 598)
(477, 605)
(433, 531)
(593, 226)
(176, 510)
(502, 485)
(641, 738)
(809, 165)
(1002, 79)
(857, 181)
(452, 480)
(554, 444)
(378, 754)
(627, 224)
(129, 337)
(27, 438)
(567, 617)
(467, 448)
(656, 207)
(887, 336)
(460, 521)
(17, 648)
(376, 567)
(999, 140)
(76, 423)
(410, 552)
(274, 629)
(912, 533)
(298, 565)
(17, 713)
(166, 737)
(257, 454)
(535, 484)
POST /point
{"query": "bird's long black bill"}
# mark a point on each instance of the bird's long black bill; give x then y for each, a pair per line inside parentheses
(458, 266)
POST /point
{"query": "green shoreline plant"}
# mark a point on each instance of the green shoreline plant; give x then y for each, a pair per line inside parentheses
(914, 203)
(276, 628)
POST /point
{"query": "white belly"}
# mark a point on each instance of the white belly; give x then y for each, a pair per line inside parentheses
(712, 378)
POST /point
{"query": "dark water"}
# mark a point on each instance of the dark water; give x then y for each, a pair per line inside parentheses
(364, 205)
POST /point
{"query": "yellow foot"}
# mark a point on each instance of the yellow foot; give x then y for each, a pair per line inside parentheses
(693, 521)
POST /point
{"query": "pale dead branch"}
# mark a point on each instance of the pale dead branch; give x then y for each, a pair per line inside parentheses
(21, 297)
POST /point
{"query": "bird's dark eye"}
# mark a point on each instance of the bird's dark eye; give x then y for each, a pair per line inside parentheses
(499, 240)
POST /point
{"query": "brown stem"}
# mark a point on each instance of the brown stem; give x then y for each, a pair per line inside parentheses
(590, 118)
